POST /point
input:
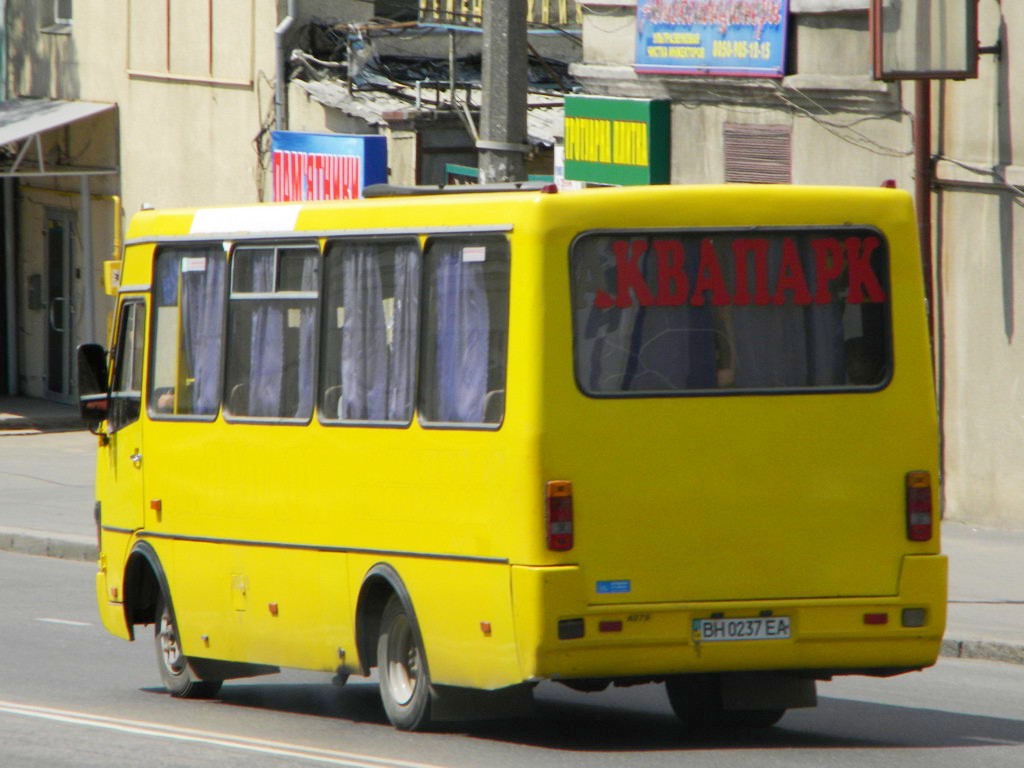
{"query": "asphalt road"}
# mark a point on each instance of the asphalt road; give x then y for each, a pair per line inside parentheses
(70, 695)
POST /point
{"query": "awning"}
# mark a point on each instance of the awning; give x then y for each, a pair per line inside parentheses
(24, 121)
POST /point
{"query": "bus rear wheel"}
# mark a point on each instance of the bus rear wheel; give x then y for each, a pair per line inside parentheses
(177, 674)
(402, 671)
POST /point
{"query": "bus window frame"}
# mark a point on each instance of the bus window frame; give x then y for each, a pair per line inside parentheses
(130, 307)
(469, 426)
(301, 241)
(376, 239)
(152, 411)
(696, 232)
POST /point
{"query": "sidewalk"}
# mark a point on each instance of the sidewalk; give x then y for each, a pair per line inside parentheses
(986, 592)
(25, 415)
(47, 475)
(42, 445)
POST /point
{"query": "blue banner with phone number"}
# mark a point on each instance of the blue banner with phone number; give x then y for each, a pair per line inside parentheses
(712, 37)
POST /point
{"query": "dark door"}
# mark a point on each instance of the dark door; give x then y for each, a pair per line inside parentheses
(58, 307)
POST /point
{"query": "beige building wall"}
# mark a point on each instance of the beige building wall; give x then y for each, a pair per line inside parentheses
(979, 224)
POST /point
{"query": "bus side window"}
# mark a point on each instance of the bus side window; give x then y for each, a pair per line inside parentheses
(188, 332)
(126, 389)
(370, 321)
(465, 339)
(271, 332)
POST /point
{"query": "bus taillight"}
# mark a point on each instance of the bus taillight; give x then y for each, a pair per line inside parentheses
(919, 506)
(558, 515)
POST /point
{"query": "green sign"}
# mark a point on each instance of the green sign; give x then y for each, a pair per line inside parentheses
(617, 141)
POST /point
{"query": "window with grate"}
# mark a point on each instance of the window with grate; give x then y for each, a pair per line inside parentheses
(758, 154)
(56, 17)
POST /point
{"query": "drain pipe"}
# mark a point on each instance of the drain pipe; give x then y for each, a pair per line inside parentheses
(280, 86)
(10, 275)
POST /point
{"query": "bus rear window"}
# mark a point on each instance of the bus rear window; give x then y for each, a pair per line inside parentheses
(720, 311)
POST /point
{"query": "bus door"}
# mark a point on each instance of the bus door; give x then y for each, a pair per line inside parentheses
(120, 460)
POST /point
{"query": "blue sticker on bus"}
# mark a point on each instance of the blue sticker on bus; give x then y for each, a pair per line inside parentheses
(619, 586)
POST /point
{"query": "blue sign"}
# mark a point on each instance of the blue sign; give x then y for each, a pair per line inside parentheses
(616, 587)
(712, 37)
(326, 166)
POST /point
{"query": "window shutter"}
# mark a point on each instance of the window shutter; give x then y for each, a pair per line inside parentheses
(759, 154)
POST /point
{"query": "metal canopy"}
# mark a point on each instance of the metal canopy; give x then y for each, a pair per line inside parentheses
(24, 121)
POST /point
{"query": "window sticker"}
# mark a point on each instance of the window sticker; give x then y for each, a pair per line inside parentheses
(474, 254)
(193, 264)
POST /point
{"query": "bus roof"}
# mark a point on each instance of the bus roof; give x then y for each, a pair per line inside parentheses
(648, 206)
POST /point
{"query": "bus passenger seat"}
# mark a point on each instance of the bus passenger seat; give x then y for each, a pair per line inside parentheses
(494, 406)
(238, 400)
(330, 403)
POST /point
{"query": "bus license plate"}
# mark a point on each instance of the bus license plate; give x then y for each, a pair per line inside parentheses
(725, 630)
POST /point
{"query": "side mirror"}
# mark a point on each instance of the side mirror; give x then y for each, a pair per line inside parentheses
(93, 396)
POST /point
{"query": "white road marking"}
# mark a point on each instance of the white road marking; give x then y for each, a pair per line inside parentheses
(67, 622)
(211, 738)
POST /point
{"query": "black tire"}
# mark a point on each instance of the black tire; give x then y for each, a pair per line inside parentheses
(177, 674)
(402, 670)
(697, 702)
(752, 718)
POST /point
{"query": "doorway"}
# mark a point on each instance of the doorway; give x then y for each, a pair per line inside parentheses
(59, 312)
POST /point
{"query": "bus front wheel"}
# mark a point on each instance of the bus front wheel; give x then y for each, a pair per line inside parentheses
(401, 668)
(175, 670)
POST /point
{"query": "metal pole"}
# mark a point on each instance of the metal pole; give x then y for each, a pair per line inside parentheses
(88, 332)
(502, 142)
(281, 68)
(923, 186)
(10, 277)
(451, 69)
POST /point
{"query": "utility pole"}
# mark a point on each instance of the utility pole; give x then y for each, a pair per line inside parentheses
(502, 142)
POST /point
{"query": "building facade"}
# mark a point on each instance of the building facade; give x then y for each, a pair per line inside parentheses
(171, 102)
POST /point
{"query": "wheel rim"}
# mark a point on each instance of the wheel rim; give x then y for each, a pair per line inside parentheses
(170, 650)
(402, 662)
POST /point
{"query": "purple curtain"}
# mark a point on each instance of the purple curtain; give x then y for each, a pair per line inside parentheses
(461, 354)
(307, 339)
(266, 365)
(377, 359)
(405, 323)
(364, 345)
(202, 313)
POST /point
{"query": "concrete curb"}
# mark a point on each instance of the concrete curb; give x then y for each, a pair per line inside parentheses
(988, 650)
(80, 548)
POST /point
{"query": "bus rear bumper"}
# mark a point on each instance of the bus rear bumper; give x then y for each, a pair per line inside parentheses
(560, 636)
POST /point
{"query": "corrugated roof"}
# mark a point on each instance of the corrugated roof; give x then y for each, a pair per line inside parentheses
(366, 105)
(22, 118)
(543, 120)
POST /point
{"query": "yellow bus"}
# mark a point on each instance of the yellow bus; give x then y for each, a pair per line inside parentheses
(478, 441)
